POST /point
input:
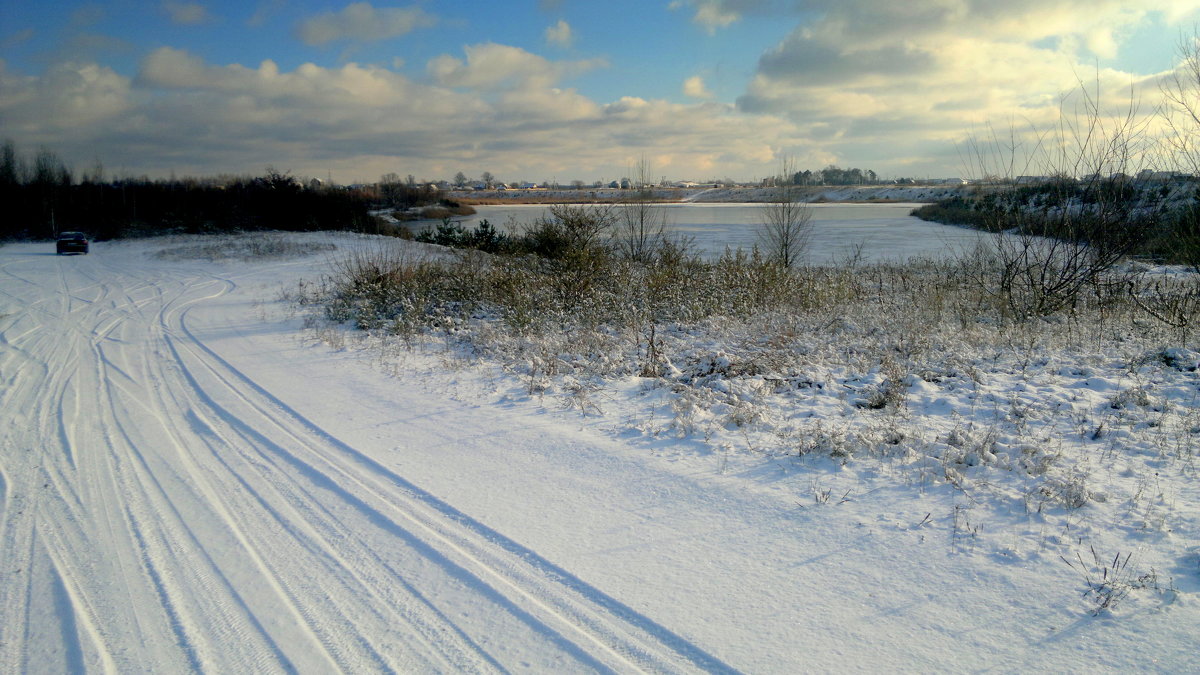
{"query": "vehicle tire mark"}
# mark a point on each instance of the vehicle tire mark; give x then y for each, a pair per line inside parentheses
(585, 599)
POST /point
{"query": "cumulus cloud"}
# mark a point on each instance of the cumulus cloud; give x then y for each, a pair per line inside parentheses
(183, 113)
(694, 87)
(560, 34)
(860, 76)
(69, 100)
(714, 14)
(186, 13)
(888, 86)
(496, 66)
(362, 22)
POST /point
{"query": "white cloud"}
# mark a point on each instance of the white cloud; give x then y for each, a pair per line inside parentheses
(694, 87)
(560, 34)
(186, 13)
(500, 109)
(364, 23)
(713, 14)
(864, 79)
(493, 66)
(70, 100)
(887, 86)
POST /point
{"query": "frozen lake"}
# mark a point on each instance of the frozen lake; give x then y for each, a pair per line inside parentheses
(886, 231)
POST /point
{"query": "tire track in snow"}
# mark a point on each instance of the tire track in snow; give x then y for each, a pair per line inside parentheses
(58, 347)
(4, 496)
(78, 616)
(282, 454)
(187, 584)
(561, 602)
(188, 520)
(305, 504)
(33, 455)
(107, 546)
(316, 548)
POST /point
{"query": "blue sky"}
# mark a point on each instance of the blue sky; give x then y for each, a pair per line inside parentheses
(559, 90)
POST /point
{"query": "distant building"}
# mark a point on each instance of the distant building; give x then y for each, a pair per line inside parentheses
(1151, 176)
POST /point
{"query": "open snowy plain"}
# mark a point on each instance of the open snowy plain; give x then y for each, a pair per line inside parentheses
(194, 478)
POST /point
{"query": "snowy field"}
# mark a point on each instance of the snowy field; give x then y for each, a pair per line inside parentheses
(196, 475)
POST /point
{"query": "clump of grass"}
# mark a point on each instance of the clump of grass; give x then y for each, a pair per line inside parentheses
(245, 246)
(722, 337)
(1109, 582)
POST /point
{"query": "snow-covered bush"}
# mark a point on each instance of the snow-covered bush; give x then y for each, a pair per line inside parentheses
(241, 246)
(912, 363)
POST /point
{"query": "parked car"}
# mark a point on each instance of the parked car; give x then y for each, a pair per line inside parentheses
(72, 242)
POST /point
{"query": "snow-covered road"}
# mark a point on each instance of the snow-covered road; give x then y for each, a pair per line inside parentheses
(161, 510)
(186, 485)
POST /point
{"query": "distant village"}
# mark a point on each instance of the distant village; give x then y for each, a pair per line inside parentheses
(842, 178)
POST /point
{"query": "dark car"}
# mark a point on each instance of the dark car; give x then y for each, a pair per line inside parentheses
(72, 242)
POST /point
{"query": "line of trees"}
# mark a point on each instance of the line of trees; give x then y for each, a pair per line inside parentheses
(835, 175)
(41, 198)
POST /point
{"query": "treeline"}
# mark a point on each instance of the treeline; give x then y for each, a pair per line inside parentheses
(835, 175)
(1154, 220)
(564, 231)
(42, 197)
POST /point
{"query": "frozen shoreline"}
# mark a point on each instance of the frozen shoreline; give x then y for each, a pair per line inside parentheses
(850, 194)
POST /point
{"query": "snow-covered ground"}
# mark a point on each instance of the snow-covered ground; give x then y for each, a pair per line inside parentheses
(191, 480)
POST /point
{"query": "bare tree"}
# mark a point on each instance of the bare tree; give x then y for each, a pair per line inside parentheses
(642, 223)
(12, 170)
(391, 189)
(786, 228)
(581, 225)
(1181, 91)
(1063, 233)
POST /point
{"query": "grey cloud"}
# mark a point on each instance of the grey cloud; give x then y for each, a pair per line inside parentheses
(63, 108)
(855, 21)
(16, 39)
(182, 114)
(88, 15)
(363, 22)
(186, 13)
(265, 10)
(861, 78)
(807, 62)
